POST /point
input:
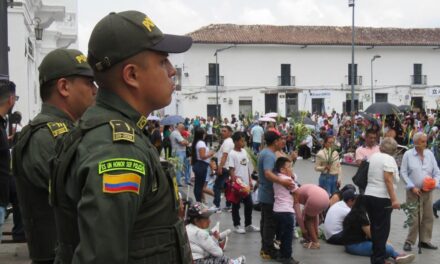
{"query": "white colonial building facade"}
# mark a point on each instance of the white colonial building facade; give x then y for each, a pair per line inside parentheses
(58, 19)
(260, 69)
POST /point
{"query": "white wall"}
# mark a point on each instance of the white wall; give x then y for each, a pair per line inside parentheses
(249, 70)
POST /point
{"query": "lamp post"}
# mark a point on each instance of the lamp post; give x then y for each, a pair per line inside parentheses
(372, 59)
(351, 4)
(217, 79)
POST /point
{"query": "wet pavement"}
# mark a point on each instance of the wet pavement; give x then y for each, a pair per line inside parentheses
(249, 244)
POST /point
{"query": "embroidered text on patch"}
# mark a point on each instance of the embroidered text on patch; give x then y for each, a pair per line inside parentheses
(119, 183)
(57, 128)
(121, 164)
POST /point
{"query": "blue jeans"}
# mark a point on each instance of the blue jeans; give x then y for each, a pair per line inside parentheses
(200, 169)
(256, 147)
(365, 249)
(187, 166)
(2, 220)
(181, 155)
(219, 185)
(328, 182)
(285, 227)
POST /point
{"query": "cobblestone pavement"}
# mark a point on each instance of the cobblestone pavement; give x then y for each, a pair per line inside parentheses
(249, 244)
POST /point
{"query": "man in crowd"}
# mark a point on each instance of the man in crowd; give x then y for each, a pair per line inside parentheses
(335, 217)
(113, 201)
(421, 174)
(67, 90)
(266, 176)
(7, 101)
(178, 145)
(257, 133)
(369, 148)
(223, 168)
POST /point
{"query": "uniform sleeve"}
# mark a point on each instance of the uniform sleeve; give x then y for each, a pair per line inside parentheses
(109, 201)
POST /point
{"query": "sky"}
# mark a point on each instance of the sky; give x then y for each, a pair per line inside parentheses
(184, 16)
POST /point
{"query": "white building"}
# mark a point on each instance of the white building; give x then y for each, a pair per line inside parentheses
(58, 18)
(289, 68)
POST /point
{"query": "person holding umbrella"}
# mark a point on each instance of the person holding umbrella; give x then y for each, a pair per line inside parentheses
(420, 172)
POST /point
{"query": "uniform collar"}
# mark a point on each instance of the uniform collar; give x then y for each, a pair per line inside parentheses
(108, 99)
(49, 109)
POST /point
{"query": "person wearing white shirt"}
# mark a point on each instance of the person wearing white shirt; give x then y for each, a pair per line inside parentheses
(257, 133)
(335, 217)
(223, 169)
(239, 168)
(380, 196)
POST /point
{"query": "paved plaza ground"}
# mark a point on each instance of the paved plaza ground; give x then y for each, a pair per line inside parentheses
(249, 244)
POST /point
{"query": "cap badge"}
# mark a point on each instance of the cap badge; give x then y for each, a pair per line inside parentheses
(81, 59)
(148, 23)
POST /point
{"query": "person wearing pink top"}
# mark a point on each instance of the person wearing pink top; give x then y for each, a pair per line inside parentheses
(315, 201)
(370, 147)
(283, 209)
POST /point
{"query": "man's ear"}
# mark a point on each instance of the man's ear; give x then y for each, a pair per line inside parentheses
(62, 87)
(130, 75)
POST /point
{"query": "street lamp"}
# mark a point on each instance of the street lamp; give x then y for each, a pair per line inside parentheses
(351, 4)
(217, 79)
(372, 59)
(38, 29)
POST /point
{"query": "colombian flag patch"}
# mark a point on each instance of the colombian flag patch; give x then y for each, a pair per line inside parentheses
(119, 183)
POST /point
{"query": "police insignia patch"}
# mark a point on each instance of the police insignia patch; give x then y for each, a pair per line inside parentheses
(122, 131)
(57, 128)
(119, 183)
(121, 164)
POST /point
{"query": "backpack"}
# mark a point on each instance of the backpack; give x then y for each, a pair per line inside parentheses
(361, 176)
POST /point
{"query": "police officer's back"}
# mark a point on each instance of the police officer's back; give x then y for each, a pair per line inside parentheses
(113, 201)
(66, 89)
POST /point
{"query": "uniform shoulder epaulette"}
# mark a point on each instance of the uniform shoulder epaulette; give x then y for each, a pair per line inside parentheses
(122, 131)
(57, 128)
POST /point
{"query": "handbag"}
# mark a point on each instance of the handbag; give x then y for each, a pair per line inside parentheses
(361, 176)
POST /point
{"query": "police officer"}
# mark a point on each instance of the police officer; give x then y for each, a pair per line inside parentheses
(113, 201)
(67, 90)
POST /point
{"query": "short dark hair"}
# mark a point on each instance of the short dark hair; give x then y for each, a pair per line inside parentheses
(237, 136)
(280, 163)
(271, 136)
(47, 88)
(327, 138)
(229, 128)
(7, 88)
(370, 131)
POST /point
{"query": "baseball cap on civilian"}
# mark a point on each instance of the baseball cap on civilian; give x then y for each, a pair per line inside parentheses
(348, 195)
(63, 63)
(199, 210)
(119, 36)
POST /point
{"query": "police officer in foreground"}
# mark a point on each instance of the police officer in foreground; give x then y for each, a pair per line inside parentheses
(67, 90)
(113, 201)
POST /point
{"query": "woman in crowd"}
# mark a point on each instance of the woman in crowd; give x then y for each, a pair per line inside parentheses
(327, 162)
(200, 159)
(206, 248)
(315, 201)
(380, 196)
(357, 235)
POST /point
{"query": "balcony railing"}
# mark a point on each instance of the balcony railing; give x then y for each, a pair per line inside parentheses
(419, 79)
(212, 80)
(357, 80)
(286, 80)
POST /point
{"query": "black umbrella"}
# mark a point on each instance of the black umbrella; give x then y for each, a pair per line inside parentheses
(382, 108)
(404, 108)
(367, 116)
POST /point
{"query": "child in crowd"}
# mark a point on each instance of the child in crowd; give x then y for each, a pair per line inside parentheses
(210, 178)
(239, 170)
(283, 209)
(206, 248)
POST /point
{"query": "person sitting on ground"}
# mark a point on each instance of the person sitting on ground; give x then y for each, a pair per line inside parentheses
(337, 196)
(336, 215)
(206, 248)
(305, 147)
(356, 235)
(315, 201)
(283, 209)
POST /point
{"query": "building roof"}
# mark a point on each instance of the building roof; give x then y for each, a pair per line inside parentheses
(315, 35)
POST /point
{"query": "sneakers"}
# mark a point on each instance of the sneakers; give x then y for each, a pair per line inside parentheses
(407, 246)
(434, 210)
(251, 228)
(402, 259)
(239, 260)
(239, 230)
(215, 209)
(224, 234)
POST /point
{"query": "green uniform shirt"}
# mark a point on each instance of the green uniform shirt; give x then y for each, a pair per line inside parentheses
(32, 179)
(125, 204)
